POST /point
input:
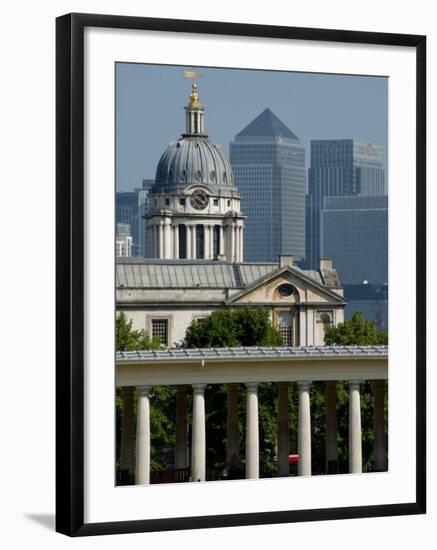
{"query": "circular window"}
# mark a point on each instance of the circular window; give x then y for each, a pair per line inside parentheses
(198, 175)
(212, 175)
(184, 174)
(285, 291)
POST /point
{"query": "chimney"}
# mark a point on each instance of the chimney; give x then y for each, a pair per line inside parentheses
(325, 263)
(285, 260)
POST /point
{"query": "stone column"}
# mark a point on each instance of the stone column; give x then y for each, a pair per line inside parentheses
(221, 242)
(355, 458)
(142, 476)
(304, 429)
(241, 244)
(283, 430)
(193, 242)
(181, 447)
(127, 430)
(252, 432)
(379, 426)
(168, 249)
(232, 242)
(161, 241)
(175, 242)
(207, 241)
(331, 447)
(198, 445)
(232, 427)
(188, 240)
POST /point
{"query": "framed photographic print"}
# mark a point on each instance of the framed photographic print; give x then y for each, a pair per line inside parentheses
(240, 274)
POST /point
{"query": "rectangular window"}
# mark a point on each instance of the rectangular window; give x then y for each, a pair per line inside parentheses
(284, 327)
(167, 202)
(215, 202)
(182, 240)
(182, 202)
(160, 330)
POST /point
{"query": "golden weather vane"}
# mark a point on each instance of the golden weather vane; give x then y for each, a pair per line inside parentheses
(194, 102)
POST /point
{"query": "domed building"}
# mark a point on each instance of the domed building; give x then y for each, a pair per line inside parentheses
(194, 203)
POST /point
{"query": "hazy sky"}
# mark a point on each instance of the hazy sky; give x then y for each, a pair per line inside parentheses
(150, 102)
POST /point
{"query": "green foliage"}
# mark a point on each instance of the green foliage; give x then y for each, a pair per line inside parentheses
(127, 339)
(355, 331)
(247, 326)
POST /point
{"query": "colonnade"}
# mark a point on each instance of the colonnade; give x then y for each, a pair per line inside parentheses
(164, 240)
(198, 437)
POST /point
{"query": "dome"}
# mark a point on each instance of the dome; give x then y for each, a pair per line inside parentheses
(193, 159)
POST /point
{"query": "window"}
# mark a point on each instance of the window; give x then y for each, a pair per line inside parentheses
(216, 241)
(160, 331)
(215, 202)
(285, 291)
(229, 202)
(200, 242)
(167, 202)
(284, 327)
(182, 201)
(182, 240)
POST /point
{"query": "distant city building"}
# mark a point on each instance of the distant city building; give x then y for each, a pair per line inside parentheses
(268, 161)
(131, 207)
(123, 240)
(339, 168)
(354, 233)
(370, 300)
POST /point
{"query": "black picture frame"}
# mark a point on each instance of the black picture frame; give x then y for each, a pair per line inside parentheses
(70, 273)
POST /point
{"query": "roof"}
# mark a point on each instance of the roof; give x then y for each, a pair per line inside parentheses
(137, 272)
(267, 124)
(253, 353)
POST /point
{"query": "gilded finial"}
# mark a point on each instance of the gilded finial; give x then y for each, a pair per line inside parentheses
(194, 101)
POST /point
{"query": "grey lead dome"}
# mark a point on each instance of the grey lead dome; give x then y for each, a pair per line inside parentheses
(193, 159)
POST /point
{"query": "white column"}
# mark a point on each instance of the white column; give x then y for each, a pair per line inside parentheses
(161, 240)
(283, 429)
(181, 447)
(167, 240)
(188, 240)
(222, 242)
(142, 476)
(211, 241)
(304, 430)
(331, 447)
(355, 458)
(206, 246)
(175, 242)
(241, 244)
(193, 242)
(252, 432)
(378, 426)
(198, 444)
(232, 427)
(127, 430)
(232, 232)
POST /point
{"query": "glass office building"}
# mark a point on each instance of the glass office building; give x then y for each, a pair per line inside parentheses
(130, 208)
(343, 167)
(268, 162)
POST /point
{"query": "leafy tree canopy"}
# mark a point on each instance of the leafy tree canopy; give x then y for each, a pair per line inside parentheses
(128, 339)
(355, 331)
(247, 326)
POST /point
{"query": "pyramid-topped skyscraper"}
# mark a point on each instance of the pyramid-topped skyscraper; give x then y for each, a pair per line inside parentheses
(268, 162)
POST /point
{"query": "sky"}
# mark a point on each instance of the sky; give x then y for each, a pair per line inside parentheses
(150, 102)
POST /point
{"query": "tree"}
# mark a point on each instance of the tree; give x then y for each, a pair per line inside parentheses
(246, 326)
(355, 331)
(163, 397)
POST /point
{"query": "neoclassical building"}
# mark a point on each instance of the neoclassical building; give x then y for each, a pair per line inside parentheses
(196, 253)
(194, 203)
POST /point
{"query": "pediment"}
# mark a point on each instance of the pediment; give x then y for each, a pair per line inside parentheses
(272, 289)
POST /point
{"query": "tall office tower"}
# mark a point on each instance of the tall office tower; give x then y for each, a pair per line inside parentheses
(123, 240)
(268, 161)
(354, 233)
(130, 208)
(339, 168)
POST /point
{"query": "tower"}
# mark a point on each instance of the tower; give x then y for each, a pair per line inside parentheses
(194, 210)
(269, 167)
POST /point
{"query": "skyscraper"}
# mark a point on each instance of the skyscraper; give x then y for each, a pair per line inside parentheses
(339, 168)
(131, 207)
(268, 161)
